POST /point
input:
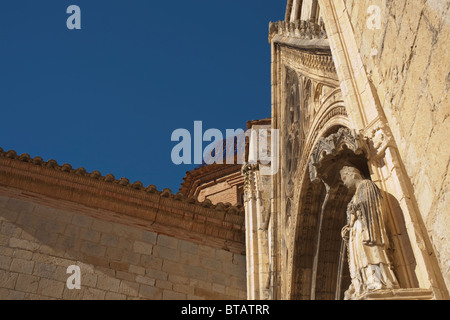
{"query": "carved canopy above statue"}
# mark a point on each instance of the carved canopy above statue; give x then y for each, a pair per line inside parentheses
(331, 152)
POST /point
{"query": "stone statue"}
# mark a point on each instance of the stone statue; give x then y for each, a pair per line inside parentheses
(365, 234)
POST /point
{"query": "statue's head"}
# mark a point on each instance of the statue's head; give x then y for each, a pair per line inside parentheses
(350, 176)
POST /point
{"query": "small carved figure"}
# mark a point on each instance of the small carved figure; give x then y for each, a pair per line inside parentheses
(323, 31)
(302, 29)
(366, 237)
(273, 28)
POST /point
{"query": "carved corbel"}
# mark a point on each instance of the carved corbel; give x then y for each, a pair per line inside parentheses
(377, 137)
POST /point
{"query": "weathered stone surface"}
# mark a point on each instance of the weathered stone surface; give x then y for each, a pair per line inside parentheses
(331, 69)
(391, 80)
(143, 247)
(410, 73)
(116, 260)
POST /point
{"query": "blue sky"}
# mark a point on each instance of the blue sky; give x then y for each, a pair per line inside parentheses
(108, 97)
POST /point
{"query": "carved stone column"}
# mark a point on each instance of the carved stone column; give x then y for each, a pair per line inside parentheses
(257, 218)
(248, 171)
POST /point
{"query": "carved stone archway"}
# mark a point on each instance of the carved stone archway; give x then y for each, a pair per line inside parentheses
(319, 86)
(320, 270)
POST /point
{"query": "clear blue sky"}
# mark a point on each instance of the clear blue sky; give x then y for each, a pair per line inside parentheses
(108, 97)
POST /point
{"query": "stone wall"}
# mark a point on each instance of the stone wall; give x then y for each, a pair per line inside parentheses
(407, 62)
(130, 241)
(120, 257)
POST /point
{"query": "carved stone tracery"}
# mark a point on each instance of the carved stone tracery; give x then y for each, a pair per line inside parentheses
(319, 62)
(327, 149)
(291, 135)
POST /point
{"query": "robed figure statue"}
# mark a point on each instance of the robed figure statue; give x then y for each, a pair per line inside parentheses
(366, 237)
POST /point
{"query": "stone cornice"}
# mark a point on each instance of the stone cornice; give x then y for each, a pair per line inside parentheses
(204, 174)
(319, 64)
(223, 222)
(304, 34)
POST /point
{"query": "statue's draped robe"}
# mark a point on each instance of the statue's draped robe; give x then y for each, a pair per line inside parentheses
(370, 268)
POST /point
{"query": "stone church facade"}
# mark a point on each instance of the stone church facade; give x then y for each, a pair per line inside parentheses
(357, 210)
(348, 89)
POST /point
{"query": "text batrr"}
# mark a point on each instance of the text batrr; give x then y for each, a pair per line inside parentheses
(246, 309)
